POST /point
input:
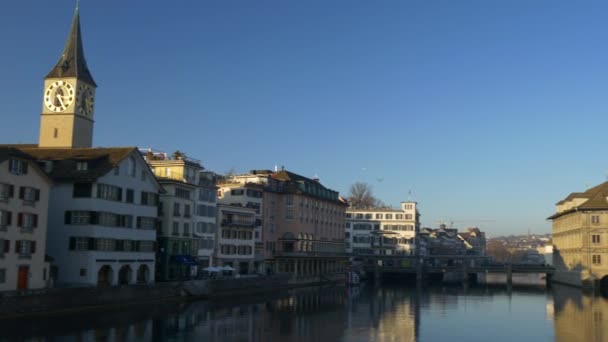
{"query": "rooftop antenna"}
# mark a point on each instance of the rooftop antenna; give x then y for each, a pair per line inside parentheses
(409, 195)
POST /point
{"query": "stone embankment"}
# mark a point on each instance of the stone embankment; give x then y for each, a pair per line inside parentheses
(62, 300)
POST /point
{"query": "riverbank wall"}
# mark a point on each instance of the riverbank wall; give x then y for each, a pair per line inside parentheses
(59, 300)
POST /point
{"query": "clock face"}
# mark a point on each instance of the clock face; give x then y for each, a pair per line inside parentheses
(86, 100)
(59, 96)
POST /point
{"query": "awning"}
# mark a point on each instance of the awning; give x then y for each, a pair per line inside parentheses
(184, 260)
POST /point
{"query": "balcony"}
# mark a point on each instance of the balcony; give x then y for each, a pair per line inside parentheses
(238, 223)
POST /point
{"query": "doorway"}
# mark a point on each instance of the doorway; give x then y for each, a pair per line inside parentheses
(22, 277)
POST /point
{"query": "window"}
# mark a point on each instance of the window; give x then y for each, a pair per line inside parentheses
(289, 200)
(105, 244)
(130, 195)
(149, 198)
(398, 216)
(347, 225)
(146, 222)
(109, 192)
(289, 214)
(83, 190)
(595, 238)
(597, 259)
(29, 195)
(27, 220)
(81, 244)
(378, 216)
(349, 215)
(186, 210)
(5, 219)
(25, 247)
(176, 210)
(182, 193)
(175, 230)
(5, 246)
(408, 216)
(408, 207)
(83, 272)
(82, 166)
(2, 275)
(595, 219)
(389, 216)
(237, 192)
(17, 167)
(186, 229)
(116, 170)
(146, 246)
(6, 191)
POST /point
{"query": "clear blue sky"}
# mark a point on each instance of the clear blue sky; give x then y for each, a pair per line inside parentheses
(490, 110)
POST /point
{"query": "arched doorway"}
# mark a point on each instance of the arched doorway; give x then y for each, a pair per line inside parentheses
(104, 276)
(143, 274)
(124, 275)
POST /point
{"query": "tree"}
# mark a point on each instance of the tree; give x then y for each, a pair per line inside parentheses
(361, 196)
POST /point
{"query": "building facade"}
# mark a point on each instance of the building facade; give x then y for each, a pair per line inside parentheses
(186, 213)
(580, 238)
(383, 231)
(239, 192)
(24, 200)
(235, 239)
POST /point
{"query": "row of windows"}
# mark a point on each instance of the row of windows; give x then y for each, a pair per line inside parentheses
(207, 195)
(24, 220)
(113, 193)
(207, 243)
(205, 227)
(379, 216)
(110, 245)
(236, 250)
(28, 194)
(101, 218)
(22, 247)
(205, 210)
(237, 234)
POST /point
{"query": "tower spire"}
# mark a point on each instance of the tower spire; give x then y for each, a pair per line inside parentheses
(72, 62)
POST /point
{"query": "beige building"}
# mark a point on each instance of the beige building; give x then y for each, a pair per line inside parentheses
(580, 238)
(186, 236)
(24, 201)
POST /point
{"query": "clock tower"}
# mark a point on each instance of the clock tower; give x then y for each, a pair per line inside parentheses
(68, 100)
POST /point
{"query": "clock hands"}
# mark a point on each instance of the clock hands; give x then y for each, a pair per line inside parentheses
(60, 98)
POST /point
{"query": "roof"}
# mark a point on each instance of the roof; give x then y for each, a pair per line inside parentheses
(7, 152)
(100, 161)
(72, 62)
(596, 200)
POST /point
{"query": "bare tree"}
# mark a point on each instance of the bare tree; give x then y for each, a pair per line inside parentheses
(361, 196)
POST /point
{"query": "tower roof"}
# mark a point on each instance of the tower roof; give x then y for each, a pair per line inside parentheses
(72, 62)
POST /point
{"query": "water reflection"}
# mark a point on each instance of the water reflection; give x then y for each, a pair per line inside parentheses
(579, 316)
(388, 313)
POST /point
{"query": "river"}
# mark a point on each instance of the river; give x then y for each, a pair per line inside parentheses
(388, 313)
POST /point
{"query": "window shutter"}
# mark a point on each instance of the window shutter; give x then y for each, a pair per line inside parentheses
(21, 192)
(7, 246)
(20, 220)
(35, 220)
(37, 195)
(11, 191)
(33, 249)
(72, 244)
(68, 217)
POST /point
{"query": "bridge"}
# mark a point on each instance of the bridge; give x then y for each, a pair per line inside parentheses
(463, 265)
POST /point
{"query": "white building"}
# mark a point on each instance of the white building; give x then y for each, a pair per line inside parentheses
(235, 241)
(239, 191)
(24, 199)
(102, 215)
(382, 231)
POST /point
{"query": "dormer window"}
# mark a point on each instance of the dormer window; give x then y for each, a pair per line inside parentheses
(17, 167)
(82, 166)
